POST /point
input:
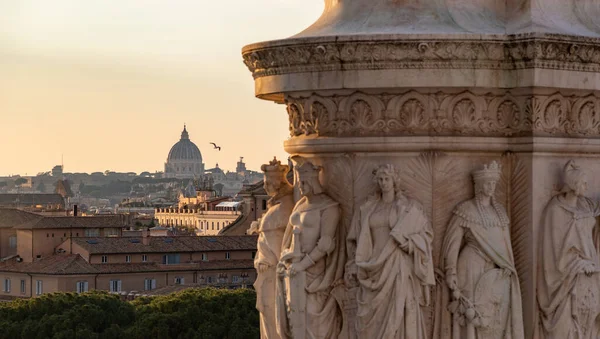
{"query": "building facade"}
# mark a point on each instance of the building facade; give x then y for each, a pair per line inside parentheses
(79, 254)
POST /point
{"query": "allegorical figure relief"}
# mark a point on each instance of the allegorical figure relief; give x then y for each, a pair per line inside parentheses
(390, 259)
(270, 229)
(311, 263)
(479, 265)
(568, 281)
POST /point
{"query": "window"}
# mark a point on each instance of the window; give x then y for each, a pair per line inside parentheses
(235, 279)
(227, 255)
(115, 286)
(6, 285)
(179, 280)
(22, 286)
(111, 232)
(264, 205)
(149, 284)
(213, 225)
(169, 259)
(204, 257)
(82, 286)
(209, 280)
(104, 259)
(52, 235)
(127, 258)
(144, 258)
(253, 254)
(39, 287)
(92, 232)
(12, 241)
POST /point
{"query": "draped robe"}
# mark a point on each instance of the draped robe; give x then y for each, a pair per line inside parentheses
(473, 249)
(393, 284)
(270, 236)
(323, 289)
(568, 298)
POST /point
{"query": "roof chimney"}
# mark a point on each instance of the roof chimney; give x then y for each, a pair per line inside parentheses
(145, 236)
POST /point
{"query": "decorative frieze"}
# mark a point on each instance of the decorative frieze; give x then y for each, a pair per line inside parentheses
(498, 113)
(523, 51)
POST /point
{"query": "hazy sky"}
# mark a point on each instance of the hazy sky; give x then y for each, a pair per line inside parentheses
(109, 84)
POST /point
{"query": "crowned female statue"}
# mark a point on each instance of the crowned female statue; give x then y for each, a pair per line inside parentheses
(311, 264)
(568, 282)
(479, 265)
(390, 239)
(270, 228)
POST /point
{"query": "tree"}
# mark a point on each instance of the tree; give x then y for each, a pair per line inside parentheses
(41, 187)
(20, 181)
(193, 313)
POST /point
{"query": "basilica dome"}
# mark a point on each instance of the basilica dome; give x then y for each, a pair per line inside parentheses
(184, 159)
(185, 149)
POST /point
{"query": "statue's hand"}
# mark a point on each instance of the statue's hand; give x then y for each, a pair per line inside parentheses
(295, 268)
(452, 281)
(589, 269)
(262, 268)
(281, 269)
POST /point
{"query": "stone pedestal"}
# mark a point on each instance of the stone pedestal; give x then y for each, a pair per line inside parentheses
(437, 88)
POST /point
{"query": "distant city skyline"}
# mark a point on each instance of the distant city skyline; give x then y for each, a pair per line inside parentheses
(109, 85)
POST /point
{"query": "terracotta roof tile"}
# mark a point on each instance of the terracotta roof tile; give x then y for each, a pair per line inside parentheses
(104, 221)
(74, 264)
(10, 217)
(55, 264)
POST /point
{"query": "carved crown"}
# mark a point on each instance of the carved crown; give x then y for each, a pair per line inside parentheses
(489, 171)
(275, 167)
(305, 168)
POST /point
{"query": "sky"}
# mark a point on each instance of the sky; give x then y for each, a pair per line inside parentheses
(108, 85)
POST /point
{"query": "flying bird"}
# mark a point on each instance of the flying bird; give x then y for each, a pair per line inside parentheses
(216, 147)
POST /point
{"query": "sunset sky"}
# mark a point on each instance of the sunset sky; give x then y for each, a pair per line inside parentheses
(109, 84)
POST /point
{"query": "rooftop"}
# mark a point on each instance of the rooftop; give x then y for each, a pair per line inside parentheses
(177, 244)
(103, 221)
(74, 264)
(20, 199)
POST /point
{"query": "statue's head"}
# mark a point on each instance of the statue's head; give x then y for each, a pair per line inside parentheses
(275, 176)
(387, 178)
(308, 176)
(486, 178)
(575, 179)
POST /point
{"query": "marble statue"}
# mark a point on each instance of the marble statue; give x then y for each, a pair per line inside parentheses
(568, 280)
(270, 228)
(479, 265)
(310, 270)
(391, 239)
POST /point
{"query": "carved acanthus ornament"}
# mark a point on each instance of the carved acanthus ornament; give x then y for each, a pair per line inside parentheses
(522, 51)
(498, 113)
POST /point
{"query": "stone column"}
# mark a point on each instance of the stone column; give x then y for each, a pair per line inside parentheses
(437, 88)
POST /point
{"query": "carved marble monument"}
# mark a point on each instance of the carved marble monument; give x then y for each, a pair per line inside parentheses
(311, 263)
(479, 265)
(568, 287)
(390, 258)
(270, 229)
(436, 88)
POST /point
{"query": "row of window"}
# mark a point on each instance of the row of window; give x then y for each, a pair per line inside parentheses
(168, 259)
(38, 286)
(90, 232)
(175, 222)
(115, 285)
